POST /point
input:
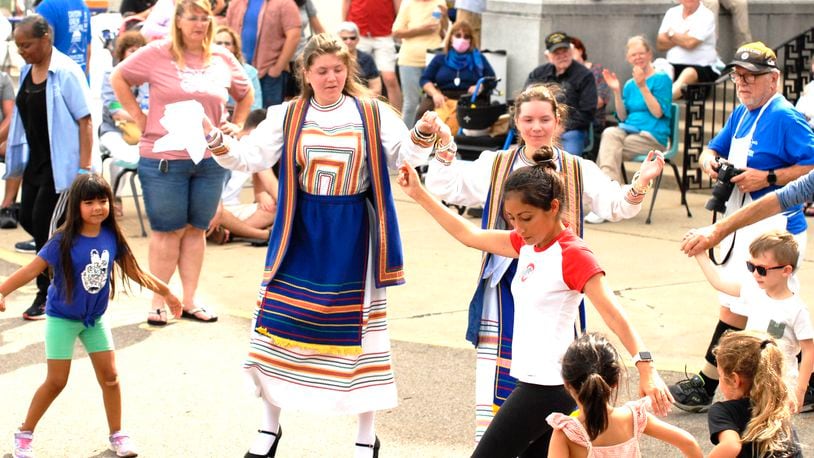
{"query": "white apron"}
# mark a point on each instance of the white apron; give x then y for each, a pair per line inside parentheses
(735, 267)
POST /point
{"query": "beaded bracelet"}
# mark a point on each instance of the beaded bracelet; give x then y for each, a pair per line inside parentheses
(637, 189)
(421, 139)
(445, 154)
(219, 150)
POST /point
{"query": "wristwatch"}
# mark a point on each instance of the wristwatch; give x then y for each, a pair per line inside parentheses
(771, 177)
(642, 356)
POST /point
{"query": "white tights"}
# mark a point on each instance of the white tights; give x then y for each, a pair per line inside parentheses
(270, 421)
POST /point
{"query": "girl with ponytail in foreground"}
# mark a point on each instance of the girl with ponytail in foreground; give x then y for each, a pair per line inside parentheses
(555, 269)
(591, 371)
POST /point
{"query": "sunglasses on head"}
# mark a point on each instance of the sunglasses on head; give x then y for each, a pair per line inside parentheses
(761, 270)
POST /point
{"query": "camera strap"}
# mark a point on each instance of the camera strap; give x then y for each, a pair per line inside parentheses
(734, 237)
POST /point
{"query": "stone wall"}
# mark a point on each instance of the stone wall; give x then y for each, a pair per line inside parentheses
(519, 26)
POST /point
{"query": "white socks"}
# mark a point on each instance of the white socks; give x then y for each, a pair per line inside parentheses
(270, 421)
(366, 435)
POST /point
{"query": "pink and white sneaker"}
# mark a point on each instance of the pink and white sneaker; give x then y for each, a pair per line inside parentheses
(22, 444)
(121, 443)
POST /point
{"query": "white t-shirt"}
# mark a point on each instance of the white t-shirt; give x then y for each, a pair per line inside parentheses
(547, 290)
(699, 25)
(787, 320)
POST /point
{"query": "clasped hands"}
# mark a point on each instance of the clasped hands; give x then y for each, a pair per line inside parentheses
(431, 125)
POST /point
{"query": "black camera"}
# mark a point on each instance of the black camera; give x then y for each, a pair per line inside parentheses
(723, 187)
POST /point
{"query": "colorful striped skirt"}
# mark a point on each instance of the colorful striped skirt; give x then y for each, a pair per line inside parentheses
(320, 339)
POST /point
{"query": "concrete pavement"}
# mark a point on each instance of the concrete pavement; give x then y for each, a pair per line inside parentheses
(184, 393)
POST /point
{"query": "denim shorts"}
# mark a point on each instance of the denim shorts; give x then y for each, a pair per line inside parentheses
(61, 333)
(184, 193)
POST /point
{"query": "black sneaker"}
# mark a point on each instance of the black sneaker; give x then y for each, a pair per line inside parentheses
(8, 220)
(690, 395)
(26, 247)
(808, 400)
(36, 311)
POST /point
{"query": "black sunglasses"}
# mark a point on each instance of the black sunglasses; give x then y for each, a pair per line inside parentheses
(762, 271)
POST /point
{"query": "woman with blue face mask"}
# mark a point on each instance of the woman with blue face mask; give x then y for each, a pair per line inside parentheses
(455, 72)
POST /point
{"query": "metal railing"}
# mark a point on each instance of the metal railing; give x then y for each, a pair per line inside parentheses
(708, 105)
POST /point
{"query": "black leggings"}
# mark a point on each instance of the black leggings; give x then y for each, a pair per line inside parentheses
(37, 206)
(519, 429)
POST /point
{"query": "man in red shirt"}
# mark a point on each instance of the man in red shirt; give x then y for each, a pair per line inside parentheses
(375, 20)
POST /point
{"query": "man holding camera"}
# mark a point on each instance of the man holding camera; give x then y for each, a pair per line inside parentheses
(764, 145)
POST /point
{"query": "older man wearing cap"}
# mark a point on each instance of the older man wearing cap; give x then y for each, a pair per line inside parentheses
(772, 144)
(578, 85)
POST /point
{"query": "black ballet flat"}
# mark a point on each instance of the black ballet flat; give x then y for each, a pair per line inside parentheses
(376, 445)
(273, 449)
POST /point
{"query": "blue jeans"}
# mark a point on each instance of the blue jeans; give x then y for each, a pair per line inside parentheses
(411, 92)
(184, 193)
(273, 89)
(573, 141)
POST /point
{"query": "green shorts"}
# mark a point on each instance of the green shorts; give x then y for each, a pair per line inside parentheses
(61, 334)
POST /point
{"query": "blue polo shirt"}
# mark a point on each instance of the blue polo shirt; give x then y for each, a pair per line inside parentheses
(92, 259)
(782, 138)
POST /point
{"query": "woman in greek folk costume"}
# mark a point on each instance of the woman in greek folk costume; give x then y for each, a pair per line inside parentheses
(538, 117)
(320, 339)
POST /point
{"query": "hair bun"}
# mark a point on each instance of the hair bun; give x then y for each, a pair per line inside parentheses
(544, 158)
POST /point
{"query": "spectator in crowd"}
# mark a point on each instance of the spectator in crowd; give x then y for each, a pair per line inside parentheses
(471, 11)
(70, 21)
(369, 74)
(9, 208)
(136, 8)
(269, 31)
(455, 71)
(50, 136)
(309, 25)
(771, 142)
(157, 24)
(420, 25)
(375, 21)
(226, 37)
(181, 195)
(579, 90)
(603, 92)
(688, 35)
(117, 128)
(643, 109)
(739, 9)
(250, 221)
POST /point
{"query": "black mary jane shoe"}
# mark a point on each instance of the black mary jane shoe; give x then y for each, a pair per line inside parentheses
(376, 445)
(273, 449)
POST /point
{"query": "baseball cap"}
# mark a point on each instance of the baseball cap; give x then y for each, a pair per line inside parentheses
(557, 40)
(755, 57)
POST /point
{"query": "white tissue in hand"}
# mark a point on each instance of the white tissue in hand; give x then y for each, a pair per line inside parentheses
(183, 122)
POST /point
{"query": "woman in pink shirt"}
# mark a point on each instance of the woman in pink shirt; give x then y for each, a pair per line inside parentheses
(181, 192)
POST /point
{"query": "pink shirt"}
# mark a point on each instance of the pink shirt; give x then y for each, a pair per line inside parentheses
(210, 85)
(576, 433)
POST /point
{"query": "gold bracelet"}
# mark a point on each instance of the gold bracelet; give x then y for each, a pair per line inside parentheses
(637, 188)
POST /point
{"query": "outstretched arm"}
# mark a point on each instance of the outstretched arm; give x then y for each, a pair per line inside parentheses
(493, 241)
(650, 383)
(699, 240)
(674, 436)
(19, 278)
(714, 277)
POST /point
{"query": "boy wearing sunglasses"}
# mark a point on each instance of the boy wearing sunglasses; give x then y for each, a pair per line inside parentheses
(769, 305)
